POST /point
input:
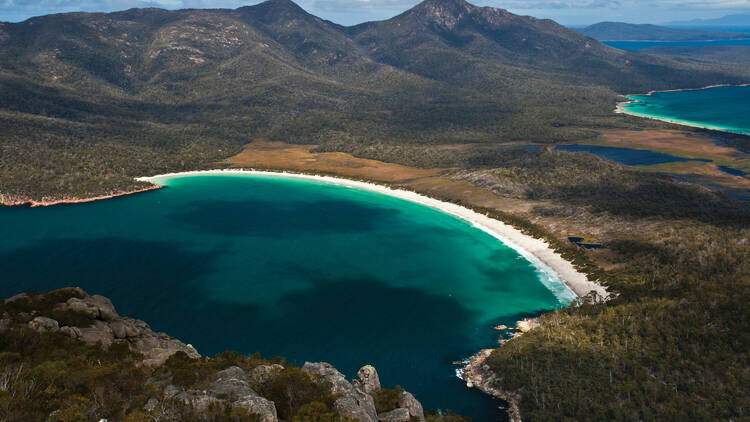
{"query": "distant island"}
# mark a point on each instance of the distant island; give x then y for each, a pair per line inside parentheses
(729, 20)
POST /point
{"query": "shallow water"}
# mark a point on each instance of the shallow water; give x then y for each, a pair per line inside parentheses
(307, 270)
(724, 108)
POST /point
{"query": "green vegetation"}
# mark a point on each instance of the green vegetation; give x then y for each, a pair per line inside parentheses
(88, 101)
(673, 344)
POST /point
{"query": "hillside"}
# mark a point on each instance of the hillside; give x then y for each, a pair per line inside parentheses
(90, 100)
(619, 31)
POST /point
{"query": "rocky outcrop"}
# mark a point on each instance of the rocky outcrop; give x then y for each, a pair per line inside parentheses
(478, 374)
(356, 401)
(42, 324)
(97, 322)
(261, 374)
(257, 405)
(407, 401)
(93, 319)
(395, 415)
(369, 382)
(325, 372)
(357, 405)
(231, 386)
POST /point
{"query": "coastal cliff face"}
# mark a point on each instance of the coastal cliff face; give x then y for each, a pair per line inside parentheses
(67, 355)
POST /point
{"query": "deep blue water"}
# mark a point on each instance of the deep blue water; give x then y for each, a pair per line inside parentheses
(724, 108)
(732, 171)
(640, 45)
(307, 270)
(627, 156)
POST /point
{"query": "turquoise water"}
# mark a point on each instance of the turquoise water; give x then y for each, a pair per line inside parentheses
(640, 45)
(307, 270)
(627, 156)
(725, 108)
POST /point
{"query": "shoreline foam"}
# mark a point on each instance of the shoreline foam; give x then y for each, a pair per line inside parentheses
(551, 265)
(621, 108)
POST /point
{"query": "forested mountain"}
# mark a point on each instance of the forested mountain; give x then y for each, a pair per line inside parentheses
(89, 100)
(619, 31)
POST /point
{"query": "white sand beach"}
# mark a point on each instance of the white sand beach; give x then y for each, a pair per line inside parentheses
(536, 251)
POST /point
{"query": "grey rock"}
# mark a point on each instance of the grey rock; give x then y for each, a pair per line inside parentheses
(24, 317)
(99, 332)
(118, 329)
(199, 401)
(232, 382)
(44, 324)
(105, 307)
(171, 391)
(151, 404)
(157, 348)
(98, 307)
(20, 296)
(396, 415)
(259, 406)
(325, 372)
(369, 382)
(80, 305)
(73, 332)
(407, 401)
(70, 291)
(261, 374)
(5, 325)
(356, 404)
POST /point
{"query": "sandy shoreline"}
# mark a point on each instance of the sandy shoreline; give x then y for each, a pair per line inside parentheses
(621, 109)
(536, 251)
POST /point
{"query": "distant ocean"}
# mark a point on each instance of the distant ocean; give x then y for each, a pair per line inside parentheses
(640, 45)
(725, 108)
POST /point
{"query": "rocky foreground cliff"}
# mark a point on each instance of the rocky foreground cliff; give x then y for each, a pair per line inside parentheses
(69, 356)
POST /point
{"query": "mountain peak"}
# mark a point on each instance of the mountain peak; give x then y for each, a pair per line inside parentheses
(274, 10)
(444, 6)
(444, 13)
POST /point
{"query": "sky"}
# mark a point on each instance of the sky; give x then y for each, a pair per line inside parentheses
(349, 12)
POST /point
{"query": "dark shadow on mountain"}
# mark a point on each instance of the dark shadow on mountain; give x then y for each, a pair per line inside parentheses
(259, 217)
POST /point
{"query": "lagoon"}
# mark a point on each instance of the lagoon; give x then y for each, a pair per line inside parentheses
(299, 268)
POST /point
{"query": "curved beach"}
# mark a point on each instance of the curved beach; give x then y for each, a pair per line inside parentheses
(622, 108)
(536, 251)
